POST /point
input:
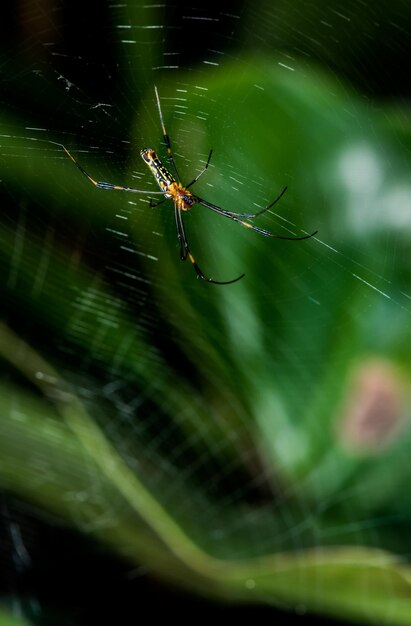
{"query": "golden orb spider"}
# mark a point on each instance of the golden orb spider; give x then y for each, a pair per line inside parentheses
(172, 188)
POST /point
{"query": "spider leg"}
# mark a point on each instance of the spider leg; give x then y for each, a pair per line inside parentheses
(253, 215)
(182, 238)
(166, 137)
(250, 216)
(103, 185)
(202, 171)
(236, 218)
(186, 252)
(153, 204)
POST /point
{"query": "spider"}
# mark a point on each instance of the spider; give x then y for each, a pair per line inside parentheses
(172, 188)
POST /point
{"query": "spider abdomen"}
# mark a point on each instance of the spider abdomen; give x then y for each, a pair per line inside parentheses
(163, 177)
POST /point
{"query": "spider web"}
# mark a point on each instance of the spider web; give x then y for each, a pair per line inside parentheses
(263, 417)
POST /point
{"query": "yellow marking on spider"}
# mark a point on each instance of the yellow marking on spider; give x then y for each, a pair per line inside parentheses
(80, 168)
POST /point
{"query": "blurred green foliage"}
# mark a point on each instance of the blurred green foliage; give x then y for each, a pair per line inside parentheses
(9, 620)
(248, 442)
